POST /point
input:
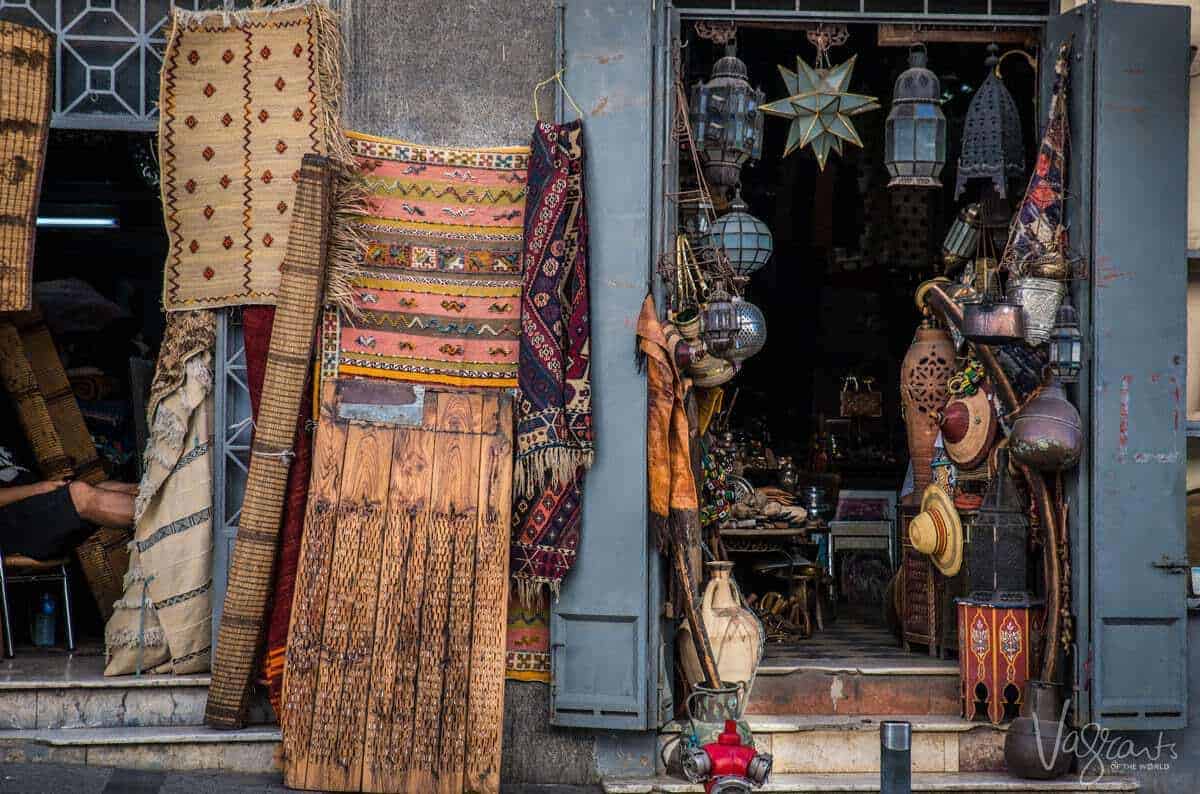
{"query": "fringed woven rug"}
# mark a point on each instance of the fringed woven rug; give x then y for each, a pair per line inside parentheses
(245, 95)
(438, 295)
(26, 66)
(527, 640)
(257, 322)
(164, 621)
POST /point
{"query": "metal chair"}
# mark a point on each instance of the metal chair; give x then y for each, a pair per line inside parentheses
(31, 571)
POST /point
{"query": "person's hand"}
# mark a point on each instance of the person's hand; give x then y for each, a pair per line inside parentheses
(46, 486)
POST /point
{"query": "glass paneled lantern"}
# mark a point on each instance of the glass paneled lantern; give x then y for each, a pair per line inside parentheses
(1066, 343)
(962, 239)
(747, 240)
(915, 133)
(725, 120)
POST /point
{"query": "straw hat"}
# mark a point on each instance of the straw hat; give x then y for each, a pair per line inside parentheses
(937, 531)
(969, 428)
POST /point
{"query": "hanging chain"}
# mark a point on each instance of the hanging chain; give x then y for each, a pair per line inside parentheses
(824, 38)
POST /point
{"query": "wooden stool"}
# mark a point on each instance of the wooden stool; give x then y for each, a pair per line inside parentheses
(31, 571)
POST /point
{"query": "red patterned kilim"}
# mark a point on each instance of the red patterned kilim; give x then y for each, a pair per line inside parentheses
(554, 412)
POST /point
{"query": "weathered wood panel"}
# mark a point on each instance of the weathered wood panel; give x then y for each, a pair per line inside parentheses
(408, 643)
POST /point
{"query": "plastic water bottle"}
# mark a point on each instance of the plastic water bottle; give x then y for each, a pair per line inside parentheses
(43, 622)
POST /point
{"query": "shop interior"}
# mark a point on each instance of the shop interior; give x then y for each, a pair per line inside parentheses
(836, 297)
(98, 270)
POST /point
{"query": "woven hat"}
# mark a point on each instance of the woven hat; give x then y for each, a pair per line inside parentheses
(937, 531)
(969, 428)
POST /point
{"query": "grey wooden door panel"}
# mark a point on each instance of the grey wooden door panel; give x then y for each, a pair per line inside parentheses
(1138, 310)
(600, 628)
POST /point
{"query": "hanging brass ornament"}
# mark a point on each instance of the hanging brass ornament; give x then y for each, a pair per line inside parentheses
(819, 104)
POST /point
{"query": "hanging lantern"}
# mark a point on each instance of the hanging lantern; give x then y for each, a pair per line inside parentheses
(991, 145)
(725, 120)
(962, 239)
(719, 322)
(996, 556)
(915, 132)
(751, 334)
(747, 240)
(1066, 343)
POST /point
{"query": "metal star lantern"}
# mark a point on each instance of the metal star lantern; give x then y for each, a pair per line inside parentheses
(820, 107)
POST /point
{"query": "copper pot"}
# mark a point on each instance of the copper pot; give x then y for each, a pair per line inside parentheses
(1031, 742)
(1047, 434)
(993, 322)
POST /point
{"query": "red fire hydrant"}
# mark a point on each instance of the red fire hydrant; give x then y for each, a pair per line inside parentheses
(727, 766)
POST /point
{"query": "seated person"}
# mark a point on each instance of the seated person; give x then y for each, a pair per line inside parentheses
(46, 520)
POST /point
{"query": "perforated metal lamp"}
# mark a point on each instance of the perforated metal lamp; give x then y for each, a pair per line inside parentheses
(747, 240)
(1066, 343)
(725, 120)
(915, 132)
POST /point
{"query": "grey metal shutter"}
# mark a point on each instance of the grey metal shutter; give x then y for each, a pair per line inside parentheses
(1138, 280)
(601, 625)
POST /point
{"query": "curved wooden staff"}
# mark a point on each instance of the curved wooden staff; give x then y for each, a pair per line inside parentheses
(932, 294)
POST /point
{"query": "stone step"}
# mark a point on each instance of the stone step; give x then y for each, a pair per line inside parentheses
(73, 693)
(931, 689)
(942, 783)
(850, 744)
(249, 751)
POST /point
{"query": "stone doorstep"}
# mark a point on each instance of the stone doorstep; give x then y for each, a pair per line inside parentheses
(850, 744)
(841, 690)
(810, 784)
(249, 751)
(161, 704)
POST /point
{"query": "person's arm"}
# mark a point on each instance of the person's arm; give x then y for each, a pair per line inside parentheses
(16, 493)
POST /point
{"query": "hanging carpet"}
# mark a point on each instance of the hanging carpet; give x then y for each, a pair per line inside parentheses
(554, 408)
(26, 89)
(527, 641)
(245, 95)
(438, 294)
(395, 672)
(257, 322)
(252, 564)
(163, 623)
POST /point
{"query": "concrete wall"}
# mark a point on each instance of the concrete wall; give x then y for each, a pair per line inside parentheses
(462, 74)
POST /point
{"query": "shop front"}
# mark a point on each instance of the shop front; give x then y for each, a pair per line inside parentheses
(847, 256)
(888, 490)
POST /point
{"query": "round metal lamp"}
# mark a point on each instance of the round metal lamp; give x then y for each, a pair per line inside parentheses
(747, 240)
(991, 145)
(725, 120)
(915, 132)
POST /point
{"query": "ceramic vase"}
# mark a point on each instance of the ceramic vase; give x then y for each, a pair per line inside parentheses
(927, 366)
(734, 632)
(1047, 433)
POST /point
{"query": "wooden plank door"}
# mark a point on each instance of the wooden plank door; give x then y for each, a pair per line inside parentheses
(395, 676)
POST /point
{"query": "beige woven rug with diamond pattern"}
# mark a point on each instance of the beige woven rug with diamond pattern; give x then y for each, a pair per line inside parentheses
(245, 95)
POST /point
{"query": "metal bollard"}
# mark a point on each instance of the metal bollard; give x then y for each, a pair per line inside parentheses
(895, 758)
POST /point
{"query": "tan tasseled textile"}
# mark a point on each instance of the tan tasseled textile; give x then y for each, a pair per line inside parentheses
(164, 621)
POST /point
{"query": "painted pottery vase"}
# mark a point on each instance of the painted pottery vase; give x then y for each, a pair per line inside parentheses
(1039, 299)
(734, 632)
(1047, 433)
(924, 373)
(1030, 743)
